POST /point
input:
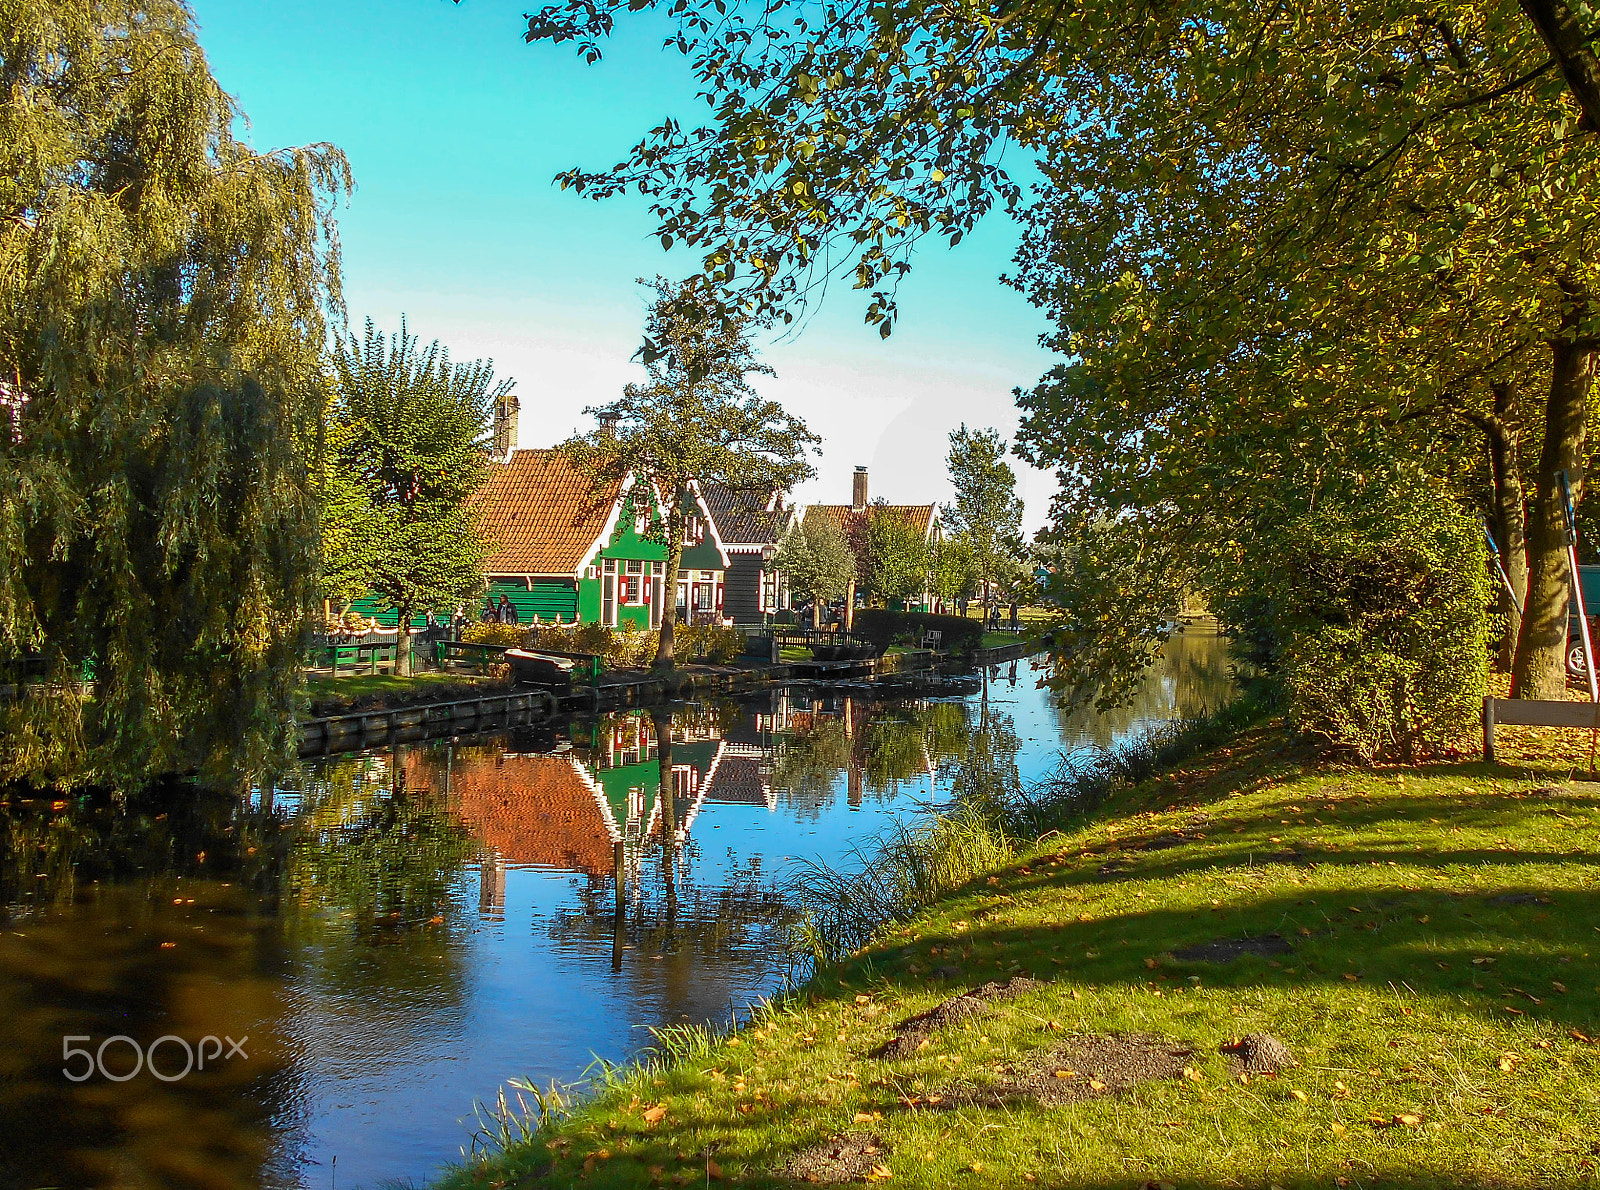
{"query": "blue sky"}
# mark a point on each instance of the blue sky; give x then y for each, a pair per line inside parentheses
(454, 129)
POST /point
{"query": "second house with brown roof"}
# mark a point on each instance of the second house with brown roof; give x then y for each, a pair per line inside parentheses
(563, 552)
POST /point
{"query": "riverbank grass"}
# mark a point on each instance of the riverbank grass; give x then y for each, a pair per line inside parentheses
(1425, 948)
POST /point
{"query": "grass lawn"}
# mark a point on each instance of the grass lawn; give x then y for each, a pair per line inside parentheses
(1438, 1001)
(996, 640)
(794, 653)
(357, 685)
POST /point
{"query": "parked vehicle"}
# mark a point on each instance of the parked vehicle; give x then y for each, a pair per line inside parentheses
(1589, 576)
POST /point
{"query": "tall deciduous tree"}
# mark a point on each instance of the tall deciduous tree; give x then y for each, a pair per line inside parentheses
(987, 512)
(1448, 146)
(816, 558)
(697, 418)
(408, 445)
(952, 573)
(897, 556)
(162, 295)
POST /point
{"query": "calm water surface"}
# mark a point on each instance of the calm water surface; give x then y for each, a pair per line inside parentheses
(391, 936)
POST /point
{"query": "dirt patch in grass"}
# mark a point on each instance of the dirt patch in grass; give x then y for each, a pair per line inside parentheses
(1519, 898)
(1226, 950)
(848, 1157)
(1257, 1053)
(915, 1031)
(1085, 1067)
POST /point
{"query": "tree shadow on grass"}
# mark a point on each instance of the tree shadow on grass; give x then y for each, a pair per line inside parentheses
(1385, 935)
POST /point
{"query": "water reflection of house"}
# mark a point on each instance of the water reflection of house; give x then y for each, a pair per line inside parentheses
(544, 810)
(569, 811)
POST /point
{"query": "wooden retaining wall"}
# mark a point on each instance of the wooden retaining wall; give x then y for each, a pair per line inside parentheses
(352, 730)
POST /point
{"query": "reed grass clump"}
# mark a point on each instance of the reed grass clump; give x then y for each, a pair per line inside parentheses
(890, 878)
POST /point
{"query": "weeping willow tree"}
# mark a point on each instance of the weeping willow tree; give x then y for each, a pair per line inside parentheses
(162, 295)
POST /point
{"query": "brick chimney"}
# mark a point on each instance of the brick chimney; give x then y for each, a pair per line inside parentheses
(858, 498)
(505, 424)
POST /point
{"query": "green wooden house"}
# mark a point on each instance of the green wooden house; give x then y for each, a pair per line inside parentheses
(562, 553)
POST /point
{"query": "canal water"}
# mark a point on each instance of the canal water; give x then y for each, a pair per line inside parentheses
(373, 944)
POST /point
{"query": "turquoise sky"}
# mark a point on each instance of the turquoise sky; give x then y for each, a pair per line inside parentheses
(454, 129)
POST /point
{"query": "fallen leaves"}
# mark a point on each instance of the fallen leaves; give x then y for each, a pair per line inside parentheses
(1297, 1093)
(654, 1115)
(1508, 1062)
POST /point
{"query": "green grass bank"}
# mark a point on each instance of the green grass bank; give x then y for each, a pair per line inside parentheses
(1429, 961)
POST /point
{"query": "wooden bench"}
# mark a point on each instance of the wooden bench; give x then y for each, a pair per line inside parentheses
(1534, 712)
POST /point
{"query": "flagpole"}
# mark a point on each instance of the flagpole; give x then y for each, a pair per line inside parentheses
(1583, 615)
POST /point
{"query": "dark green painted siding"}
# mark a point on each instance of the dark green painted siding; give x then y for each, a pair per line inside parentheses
(550, 599)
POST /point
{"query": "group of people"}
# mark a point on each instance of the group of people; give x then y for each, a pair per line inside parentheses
(501, 611)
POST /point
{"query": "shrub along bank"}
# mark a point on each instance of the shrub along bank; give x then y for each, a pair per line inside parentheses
(884, 627)
(1421, 940)
(621, 648)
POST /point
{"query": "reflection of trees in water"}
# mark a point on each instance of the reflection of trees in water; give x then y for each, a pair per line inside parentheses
(984, 769)
(51, 849)
(370, 845)
(742, 912)
(881, 747)
(1195, 674)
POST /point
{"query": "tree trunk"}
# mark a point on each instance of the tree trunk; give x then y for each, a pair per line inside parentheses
(1569, 46)
(661, 720)
(669, 594)
(1539, 668)
(1501, 435)
(402, 644)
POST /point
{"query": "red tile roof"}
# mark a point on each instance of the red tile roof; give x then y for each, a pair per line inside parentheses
(918, 516)
(539, 515)
(536, 810)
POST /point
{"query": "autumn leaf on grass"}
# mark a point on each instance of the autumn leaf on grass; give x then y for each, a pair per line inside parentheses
(862, 1117)
(879, 1173)
(654, 1115)
(1096, 1085)
(713, 1170)
(1408, 1119)
(1298, 1094)
(1508, 1062)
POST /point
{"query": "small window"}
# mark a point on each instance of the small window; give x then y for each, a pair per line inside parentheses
(611, 566)
(656, 567)
(635, 566)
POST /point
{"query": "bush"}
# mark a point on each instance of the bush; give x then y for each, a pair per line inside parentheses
(958, 633)
(511, 636)
(636, 647)
(1383, 623)
(882, 627)
(623, 648)
(878, 626)
(707, 642)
